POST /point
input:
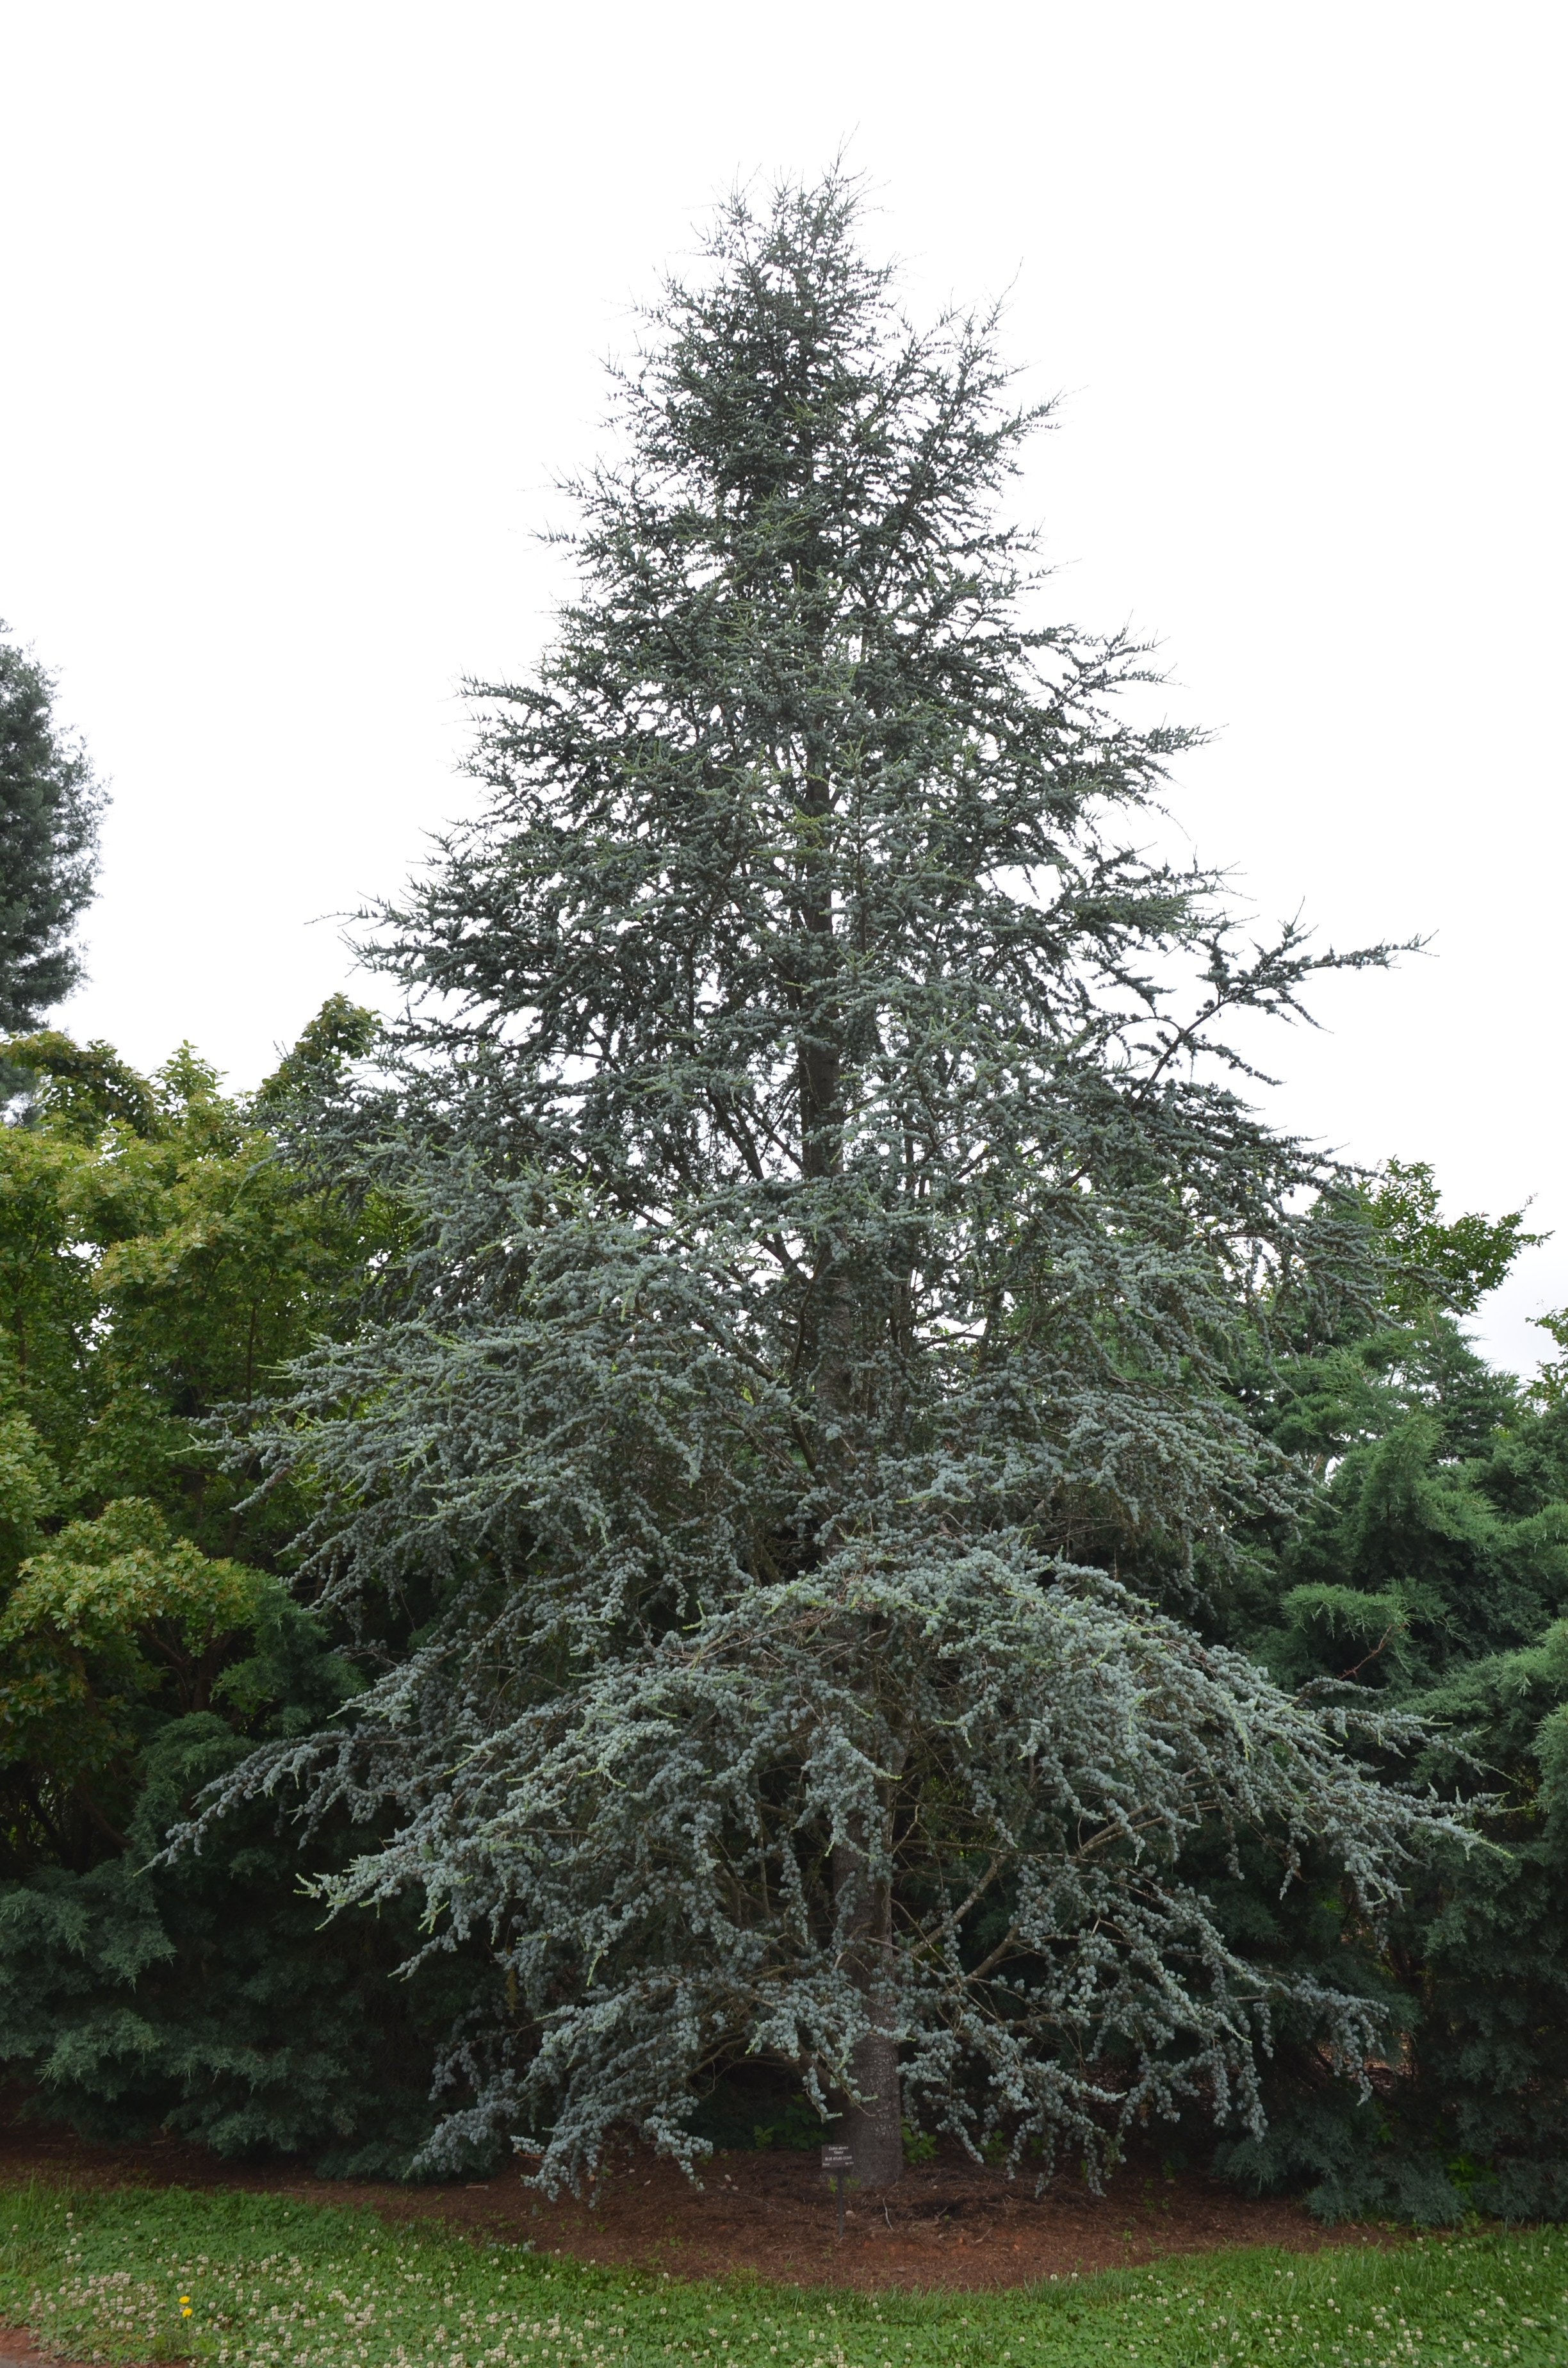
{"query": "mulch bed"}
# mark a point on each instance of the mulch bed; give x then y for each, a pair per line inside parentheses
(947, 2223)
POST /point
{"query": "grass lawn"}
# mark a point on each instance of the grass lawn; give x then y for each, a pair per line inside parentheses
(247, 2281)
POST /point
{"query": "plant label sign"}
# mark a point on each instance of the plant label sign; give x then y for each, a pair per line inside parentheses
(836, 2160)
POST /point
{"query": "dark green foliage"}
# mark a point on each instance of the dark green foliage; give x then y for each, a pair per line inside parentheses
(1433, 1568)
(50, 806)
(83, 1087)
(205, 2000)
(341, 1031)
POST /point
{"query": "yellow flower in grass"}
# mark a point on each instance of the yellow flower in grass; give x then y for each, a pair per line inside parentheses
(185, 2305)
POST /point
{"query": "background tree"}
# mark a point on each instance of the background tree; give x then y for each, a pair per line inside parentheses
(1430, 1565)
(157, 1259)
(1550, 1384)
(1447, 1268)
(834, 1224)
(50, 807)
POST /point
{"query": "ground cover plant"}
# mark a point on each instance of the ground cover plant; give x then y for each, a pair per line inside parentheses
(245, 2280)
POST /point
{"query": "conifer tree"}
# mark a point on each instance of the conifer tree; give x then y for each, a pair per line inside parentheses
(48, 822)
(829, 1230)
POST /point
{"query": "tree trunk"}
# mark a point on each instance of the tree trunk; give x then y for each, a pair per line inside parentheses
(833, 1330)
(873, 2128)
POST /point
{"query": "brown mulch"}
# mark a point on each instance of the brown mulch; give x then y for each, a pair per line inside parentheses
(946, 2223)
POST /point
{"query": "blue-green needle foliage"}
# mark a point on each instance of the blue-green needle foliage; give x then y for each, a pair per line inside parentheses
(255, 2282)
(832, 1215)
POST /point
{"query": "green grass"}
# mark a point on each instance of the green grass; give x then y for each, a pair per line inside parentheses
(270, 2284)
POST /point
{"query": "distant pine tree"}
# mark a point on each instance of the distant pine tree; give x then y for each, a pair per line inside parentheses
(50, 807)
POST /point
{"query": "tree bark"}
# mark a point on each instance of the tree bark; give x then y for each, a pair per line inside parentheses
(872, 2121)
(871, 2128)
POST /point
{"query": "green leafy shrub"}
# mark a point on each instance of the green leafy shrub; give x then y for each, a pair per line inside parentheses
(158, 1259)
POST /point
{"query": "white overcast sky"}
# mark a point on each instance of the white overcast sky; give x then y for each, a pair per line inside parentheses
(305, 310)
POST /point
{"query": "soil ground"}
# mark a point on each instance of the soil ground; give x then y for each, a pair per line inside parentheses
(947, 2223)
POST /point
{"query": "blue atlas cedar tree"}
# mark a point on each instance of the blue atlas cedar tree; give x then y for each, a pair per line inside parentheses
(828, 1226)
